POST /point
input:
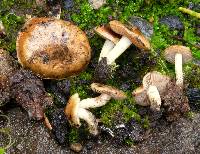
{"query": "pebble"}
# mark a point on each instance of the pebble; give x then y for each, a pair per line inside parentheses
(144, 26)
(68, 4)
(173, 22)
(96, 4)
(76, 147)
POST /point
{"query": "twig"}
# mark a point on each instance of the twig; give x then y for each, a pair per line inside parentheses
(190, 12)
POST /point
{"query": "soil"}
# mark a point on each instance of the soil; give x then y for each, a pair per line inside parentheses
(182, 136)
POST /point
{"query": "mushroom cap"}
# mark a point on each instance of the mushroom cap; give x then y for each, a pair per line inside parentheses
(156, 79)
(105, 32)
(53, 48)
(71, 110)
(132, 33)
(171, 51)
(109, 90)
(140, 95)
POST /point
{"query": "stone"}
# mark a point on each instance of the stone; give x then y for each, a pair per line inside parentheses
(96, 4)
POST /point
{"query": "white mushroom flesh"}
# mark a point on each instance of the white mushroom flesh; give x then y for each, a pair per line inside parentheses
(119, 48)
(94, 102)
(178, 69)
(108, 46)
(90, 119)
(154, 98)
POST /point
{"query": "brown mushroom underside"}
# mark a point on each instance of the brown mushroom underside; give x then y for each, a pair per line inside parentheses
(53, 48)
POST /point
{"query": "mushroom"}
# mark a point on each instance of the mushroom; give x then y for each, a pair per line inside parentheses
(154, 85)
(52, 48)
(74, 113)
(107, 92)
(130, 34)
(77, 109)
(179, 55)
(111, 39)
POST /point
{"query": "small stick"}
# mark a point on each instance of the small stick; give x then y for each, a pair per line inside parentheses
(190, 12)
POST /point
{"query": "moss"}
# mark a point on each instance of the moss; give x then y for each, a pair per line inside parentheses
(74, 136)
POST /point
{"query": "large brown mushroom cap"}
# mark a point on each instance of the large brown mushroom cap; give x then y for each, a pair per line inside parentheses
(53, 48)
(109, 90)
(132, 33)
(171, 51)
(105, 32)
(156, 79)
(71, 110)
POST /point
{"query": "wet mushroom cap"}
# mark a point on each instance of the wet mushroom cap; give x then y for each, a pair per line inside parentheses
(132, 33)
(171, 51)
(105, 32)
(109, 90)
(71, 110)
(53, 48)
(156, 79)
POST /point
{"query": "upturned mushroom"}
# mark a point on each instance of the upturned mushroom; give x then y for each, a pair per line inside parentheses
(154, 85)
(53, 48)
(77, 109)
(179, 55)
(111, 39)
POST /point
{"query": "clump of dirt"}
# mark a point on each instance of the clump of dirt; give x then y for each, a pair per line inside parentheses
(103, 71)
(60, 126)
(174, 102)
(29, 92)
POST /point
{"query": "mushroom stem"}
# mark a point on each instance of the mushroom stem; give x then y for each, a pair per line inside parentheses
(119, 48)
(154, 98)
(108, 46)
(90, 119)
(94, 102)
(178, 69)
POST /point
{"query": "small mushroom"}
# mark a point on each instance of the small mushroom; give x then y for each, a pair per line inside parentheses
(107, 92)
(52, 48)
(179, 55)
(74, 113)
(130, 34)
(111, 39)
(154, 85)
(77, 109)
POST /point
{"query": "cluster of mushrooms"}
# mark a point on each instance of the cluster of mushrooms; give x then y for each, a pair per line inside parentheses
(56, 49)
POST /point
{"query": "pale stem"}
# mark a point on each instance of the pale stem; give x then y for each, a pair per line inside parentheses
(119, 48)
(90, 119)
(108, 46)
(94, 102)
(154, 98)
(178, 69)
